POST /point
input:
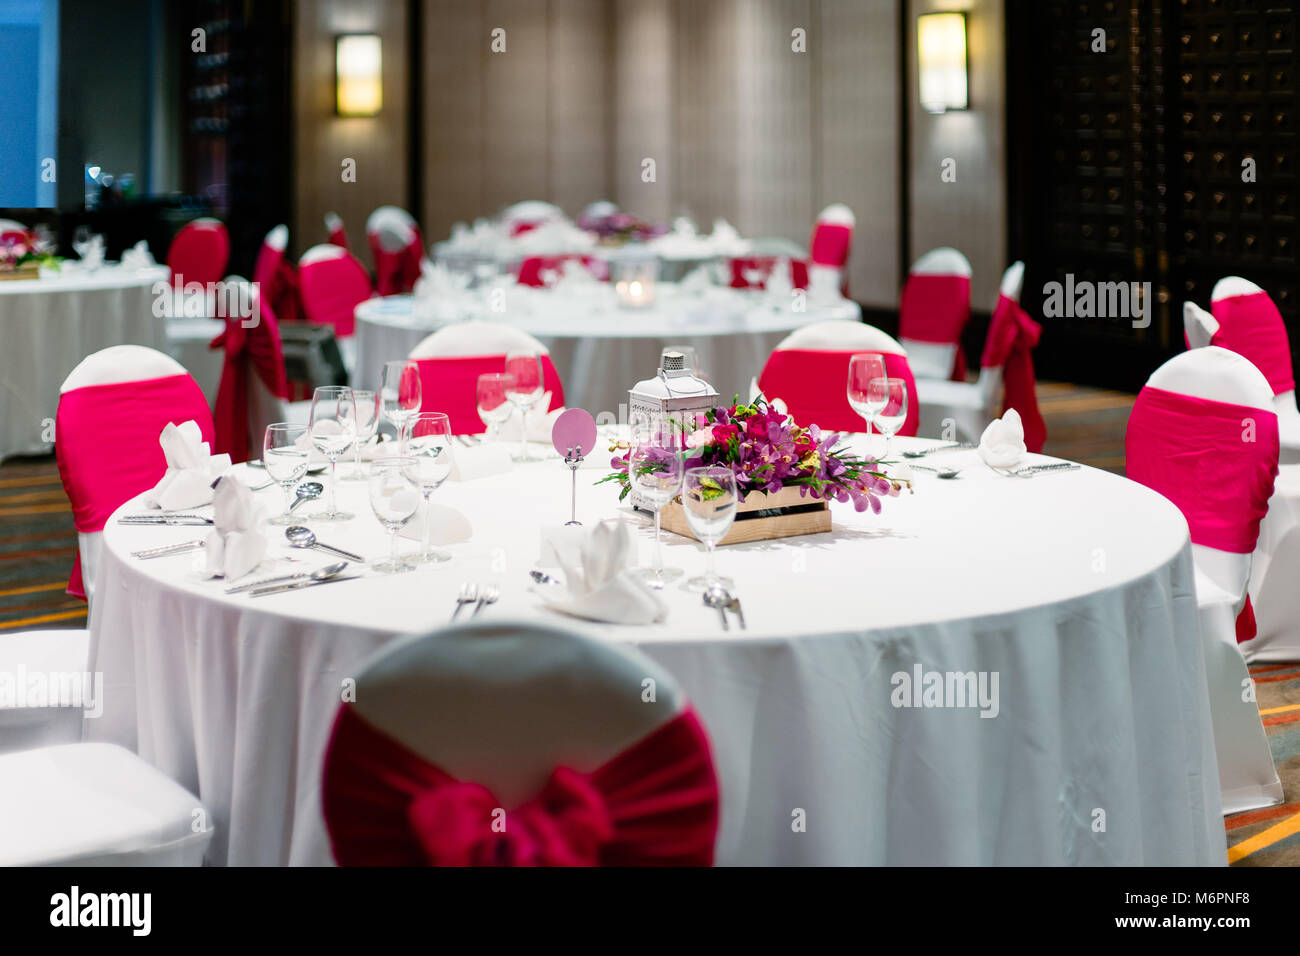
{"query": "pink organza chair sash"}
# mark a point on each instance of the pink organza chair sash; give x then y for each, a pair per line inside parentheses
(653, 804)
(396, 271)
(448, 384)
(936, 308)
(1012, 337)
(744, 268)
(106, 443)
(256, 349)
(830, 244)
(1251, 325)
(331, 290)
(813, 384)
(1216, 461)
(199, 253)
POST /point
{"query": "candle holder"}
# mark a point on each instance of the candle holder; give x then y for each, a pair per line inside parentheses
(634, 272)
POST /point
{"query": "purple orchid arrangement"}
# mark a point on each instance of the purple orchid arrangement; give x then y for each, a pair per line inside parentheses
(767, 451)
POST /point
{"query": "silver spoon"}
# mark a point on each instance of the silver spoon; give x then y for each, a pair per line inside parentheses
(317, 576)
(940, 472)
(307, 491)
(541, 577)
(716, 597)
(301, 537)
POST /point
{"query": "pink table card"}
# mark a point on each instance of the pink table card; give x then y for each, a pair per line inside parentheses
(574, 433)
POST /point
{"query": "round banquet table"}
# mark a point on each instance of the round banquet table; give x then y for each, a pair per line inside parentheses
(1075, 588)
(48, 325)
(598, 348)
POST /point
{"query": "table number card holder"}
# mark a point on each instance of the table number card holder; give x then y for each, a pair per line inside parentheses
(574, 435)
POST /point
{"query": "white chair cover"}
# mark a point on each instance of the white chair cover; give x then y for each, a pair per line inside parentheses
(475, 337)
(119, 363)
(57, 658)
(502, 703)
(968, 406)
(1248, 779)
(96, 805)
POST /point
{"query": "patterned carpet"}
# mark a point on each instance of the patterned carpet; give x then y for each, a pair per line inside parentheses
(38, 543)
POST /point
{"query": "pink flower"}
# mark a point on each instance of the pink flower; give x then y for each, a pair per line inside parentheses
(699, 438)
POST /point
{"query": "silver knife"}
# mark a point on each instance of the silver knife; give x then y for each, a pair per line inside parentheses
(262, 582)
(168, 549)
(295, 585)
(165, 519)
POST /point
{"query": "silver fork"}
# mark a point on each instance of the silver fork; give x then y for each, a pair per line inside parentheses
(488, 595)
(468, 595)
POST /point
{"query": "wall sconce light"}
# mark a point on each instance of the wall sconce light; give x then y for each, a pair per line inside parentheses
(941, 61)
(358, 72)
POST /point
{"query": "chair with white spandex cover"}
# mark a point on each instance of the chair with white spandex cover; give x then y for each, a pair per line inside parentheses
(514, 743)
(452, 359)
(1203, 434)
(809, 370)
(933, 310)
(335, 230)
(112, 408)
(96, 805)
(331, 284)
(970, 406)
(396, 249)
(57, 659)
(528, 215)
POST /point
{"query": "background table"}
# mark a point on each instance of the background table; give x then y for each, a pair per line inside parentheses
(50, 324)
(599, 349)
(1088, 616)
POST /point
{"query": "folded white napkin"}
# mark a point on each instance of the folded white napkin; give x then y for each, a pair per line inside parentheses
(539, 422)
(481, 461)
(449, 525)
(697, 280)
(235, 545)
(1003, 443)
(437, 281)
(599, 585)
(138, 256)
(191, 469)
(93, 257)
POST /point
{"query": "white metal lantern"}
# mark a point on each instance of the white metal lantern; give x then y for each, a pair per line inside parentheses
(633, 273)
(675, 394)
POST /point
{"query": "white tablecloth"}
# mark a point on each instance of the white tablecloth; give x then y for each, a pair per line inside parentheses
(48, 325)
(1075, 588)
(599, 349)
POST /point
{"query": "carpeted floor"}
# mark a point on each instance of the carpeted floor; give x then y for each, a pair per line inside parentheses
(38, 543)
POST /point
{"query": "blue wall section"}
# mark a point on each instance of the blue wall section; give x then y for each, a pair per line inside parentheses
(28, 100)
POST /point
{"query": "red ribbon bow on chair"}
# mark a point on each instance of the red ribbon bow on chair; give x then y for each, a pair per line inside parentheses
(1013, 336)
(258, 345)
(462, 824)
(654, 803)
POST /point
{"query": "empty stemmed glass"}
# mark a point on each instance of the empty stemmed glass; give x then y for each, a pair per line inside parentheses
(394, 498)
(525, 367)
(333, 427)
(889, 397)
(285, 455)
(709, 498)
(399, 391)
(427, 438)
(491, 396)
(655, 465)
(367, 424)
(864, 368)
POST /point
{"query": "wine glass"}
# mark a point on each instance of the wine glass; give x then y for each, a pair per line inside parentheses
(889, 396)
(285, 455)
(709, 498)
(427, 439)
(400, 392)
(864, 368)
(367, 425)
(655, 466)
(491, 396)
(394, 498)
(333, 427)
(81, 241)
(525, 367)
